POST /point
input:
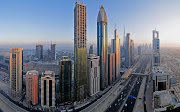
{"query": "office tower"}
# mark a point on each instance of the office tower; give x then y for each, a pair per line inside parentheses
(53, 52)
(127, 51)
(139, 50)
(132, 52)
(102, 47)
(39, 51)
(115, 43)
(111, 68)
(48, 55)
(80, 52)
(65, 76)
(91, 49)
(93, 74)
(124, 44)
(156, 61)
(32, 87)
(48, 89)
(16, 70)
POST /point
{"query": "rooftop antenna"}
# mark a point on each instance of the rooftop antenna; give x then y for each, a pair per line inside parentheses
(51, 42)
(155, 28)
(115, 26)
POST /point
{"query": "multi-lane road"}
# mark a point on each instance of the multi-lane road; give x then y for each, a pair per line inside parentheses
(115, 106)
(123, 102)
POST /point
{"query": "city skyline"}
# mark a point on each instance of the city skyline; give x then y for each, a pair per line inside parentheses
(37, 24)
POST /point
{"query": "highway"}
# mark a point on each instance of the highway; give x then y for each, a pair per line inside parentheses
(115, 106)
(129, 105)
(11, 105)
(123, 102)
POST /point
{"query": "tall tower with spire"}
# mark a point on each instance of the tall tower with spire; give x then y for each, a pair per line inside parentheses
(115, 48)
(102, 49)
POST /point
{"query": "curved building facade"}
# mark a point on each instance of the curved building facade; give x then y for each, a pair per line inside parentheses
(102, 49)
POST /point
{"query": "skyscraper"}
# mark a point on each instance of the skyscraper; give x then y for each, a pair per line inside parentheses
(53, 52)
(127, 51)
(111, 68)
(132, 52)
(156, 49)
(93, 74)
(48, 89)
(48, 55)
(32, 87)
(39, 51)
(80, 52)
(102, 47)
(91, 49)
(16, 70)
(65, 76)
(115, 43)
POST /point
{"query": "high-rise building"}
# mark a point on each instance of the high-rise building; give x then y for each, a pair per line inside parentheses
(80, 52)
(124, 44)
(39, 51)
(127, 51)
(53, 52)
(132, 52)
(102, 47)
(139, 50)
(65, 76)
(91, 49)
(32, 87)
(16, 70)
(156, 61)
(111, 68)
(115, 43)
(48, 89)
(48, 55)
(93, 74)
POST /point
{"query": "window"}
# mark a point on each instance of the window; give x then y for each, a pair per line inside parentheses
(14, 56)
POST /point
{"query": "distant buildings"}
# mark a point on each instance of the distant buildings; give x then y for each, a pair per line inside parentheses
(39, 51)
(102, 47)
(48, 89)
(53, 52)
(115, 43)
(80, 52)
(132, 52)
(93, 74)
(41, 67)
(65, 78)
(91, 49)
(16, 70)
(32, 87)
(48, 55)
(156, 61)
(139, 50)
(127, 51)
(111, 68)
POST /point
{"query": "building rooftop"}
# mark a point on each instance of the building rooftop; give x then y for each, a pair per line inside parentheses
(162, 99)
(102, 17)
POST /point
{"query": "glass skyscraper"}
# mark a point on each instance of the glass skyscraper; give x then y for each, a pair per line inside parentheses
(102, 48)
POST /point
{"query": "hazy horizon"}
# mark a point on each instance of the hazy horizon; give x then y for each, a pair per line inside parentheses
(26, 23)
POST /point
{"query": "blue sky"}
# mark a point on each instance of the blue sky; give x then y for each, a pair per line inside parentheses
(27, 22)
